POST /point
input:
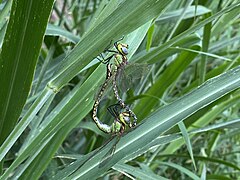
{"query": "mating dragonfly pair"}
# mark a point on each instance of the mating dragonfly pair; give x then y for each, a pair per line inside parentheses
(123, 115)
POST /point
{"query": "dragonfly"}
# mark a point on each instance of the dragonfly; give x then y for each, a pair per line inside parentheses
(113, 69)
(121, 116)
(124, 117)
(122, 120)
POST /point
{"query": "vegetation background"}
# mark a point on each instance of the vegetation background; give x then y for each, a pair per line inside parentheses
(187, 103)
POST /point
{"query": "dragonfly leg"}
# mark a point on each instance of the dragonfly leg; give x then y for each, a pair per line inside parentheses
(103, 60)
(116, 42)
(108, 46)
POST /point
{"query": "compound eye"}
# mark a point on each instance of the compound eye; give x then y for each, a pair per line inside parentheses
(127, 119)
(124, 50)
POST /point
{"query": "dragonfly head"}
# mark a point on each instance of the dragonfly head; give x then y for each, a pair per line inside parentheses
(122, 49)
(125, 119)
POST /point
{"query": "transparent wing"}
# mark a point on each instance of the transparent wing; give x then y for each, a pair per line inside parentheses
(129, 73)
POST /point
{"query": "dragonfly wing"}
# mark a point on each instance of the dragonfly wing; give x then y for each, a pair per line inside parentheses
(122, 80)
(135, 70)
(129, 73)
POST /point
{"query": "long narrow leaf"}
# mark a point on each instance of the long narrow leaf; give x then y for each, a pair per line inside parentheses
(24, 37)
(162, 120)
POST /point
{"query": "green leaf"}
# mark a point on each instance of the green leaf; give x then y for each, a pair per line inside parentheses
(182, 169)
(206, 119)
(24, 37)
(190, 13)
(62, 96)
(169, 76)
(160, 121)
(134, 13)
(186, 137)
(205, 45)
(53, 30)
(137, 172)
(4, 10)
(165, 139)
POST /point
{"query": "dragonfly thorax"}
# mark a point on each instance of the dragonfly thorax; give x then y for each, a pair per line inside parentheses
(118, 61)
(116, 127)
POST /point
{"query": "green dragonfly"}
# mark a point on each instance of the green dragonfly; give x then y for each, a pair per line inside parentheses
(116, 74)
(121, 117)
(113, 71)
(122, 120)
